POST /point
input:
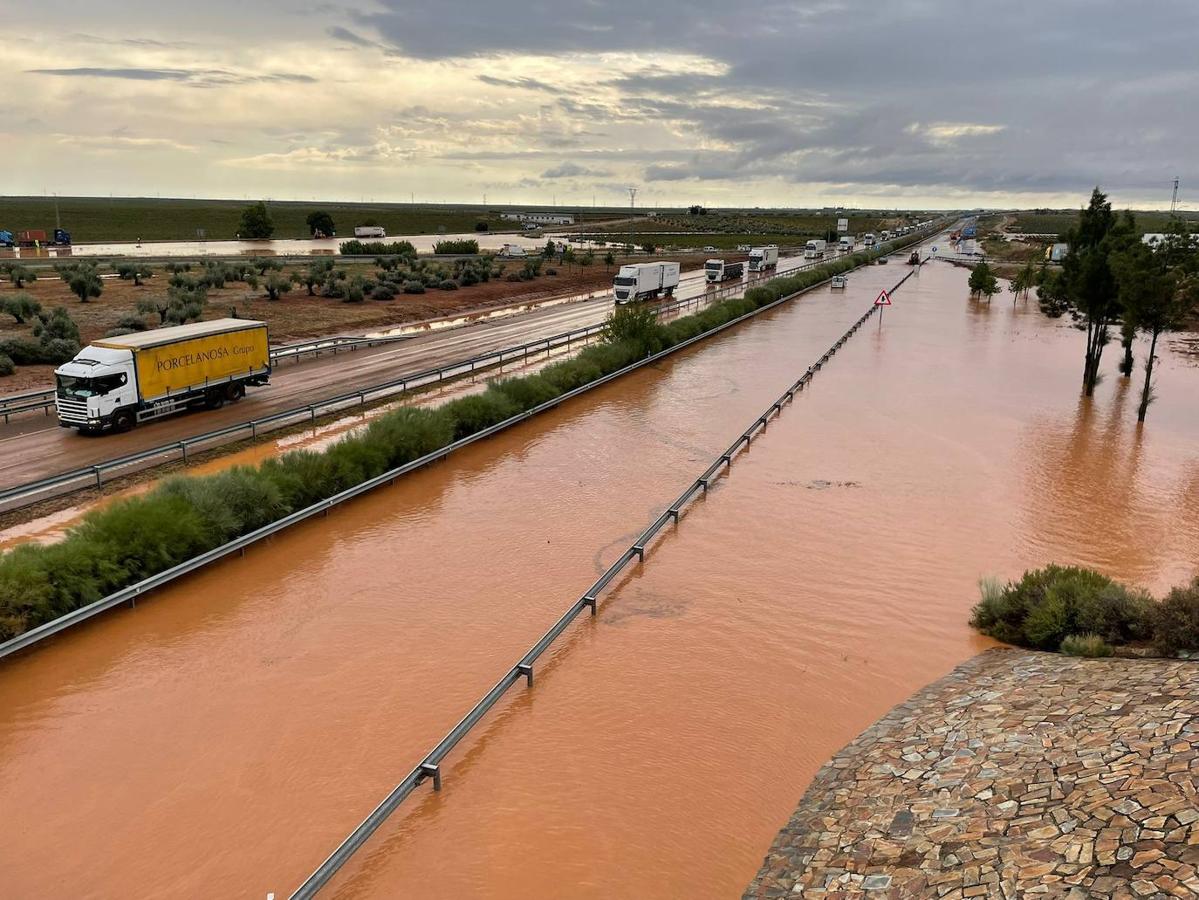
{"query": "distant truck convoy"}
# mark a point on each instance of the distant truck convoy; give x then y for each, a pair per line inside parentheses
(117, 382)
(369, 231)
(814, 249)
(763, 258)
(846, 243)
(643, 281)
(719, 270)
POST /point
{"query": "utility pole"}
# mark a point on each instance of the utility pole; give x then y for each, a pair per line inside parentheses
(633, 216)
(1174, 199)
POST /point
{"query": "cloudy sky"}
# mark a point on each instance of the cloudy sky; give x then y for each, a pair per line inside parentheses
(773, 103)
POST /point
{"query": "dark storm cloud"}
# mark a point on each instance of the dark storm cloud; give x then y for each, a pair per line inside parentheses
(528, 84)
(344, 34)
(192, 77)
(573, 170)
(1067, 93)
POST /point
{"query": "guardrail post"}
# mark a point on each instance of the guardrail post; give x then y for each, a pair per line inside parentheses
(183, 447)
(526, 670)
(590, 601)
(428, 770)
(96, 469)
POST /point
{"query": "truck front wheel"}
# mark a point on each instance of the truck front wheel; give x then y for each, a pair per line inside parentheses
(123, 420)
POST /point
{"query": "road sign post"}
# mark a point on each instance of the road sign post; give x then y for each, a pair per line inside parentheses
(881, 301)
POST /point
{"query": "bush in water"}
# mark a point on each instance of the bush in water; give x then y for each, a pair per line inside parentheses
(1084, 613)
(1176, 620)
(184, 516)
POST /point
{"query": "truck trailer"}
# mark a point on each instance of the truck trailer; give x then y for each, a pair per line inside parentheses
(720, 270)
(846, 243)
(369, 231)
(119, 381)
(35, 237)
(815, 249)
(763, 258)
(643, 281)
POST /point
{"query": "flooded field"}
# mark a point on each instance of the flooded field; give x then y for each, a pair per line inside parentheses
(219, 740)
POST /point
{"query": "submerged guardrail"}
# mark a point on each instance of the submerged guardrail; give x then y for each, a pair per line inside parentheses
(429, 768)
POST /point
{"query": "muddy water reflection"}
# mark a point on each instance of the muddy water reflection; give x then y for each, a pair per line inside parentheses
(219, 740)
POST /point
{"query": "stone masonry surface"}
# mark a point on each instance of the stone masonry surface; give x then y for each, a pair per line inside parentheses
(1019, 774)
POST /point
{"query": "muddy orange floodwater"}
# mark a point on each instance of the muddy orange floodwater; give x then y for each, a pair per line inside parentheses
(223, 737)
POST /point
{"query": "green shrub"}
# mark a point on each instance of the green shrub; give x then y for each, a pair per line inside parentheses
(529, 391)
(479, 411)
(382, 292)
(414, 287)
(7, 367)
(456, 247)
(377, 248)
(1049, 604)
(448, 285)
(1089, 645)
(1176, 621)
(636, 323)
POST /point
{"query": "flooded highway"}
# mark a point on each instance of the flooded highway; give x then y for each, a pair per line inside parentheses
(222, 738)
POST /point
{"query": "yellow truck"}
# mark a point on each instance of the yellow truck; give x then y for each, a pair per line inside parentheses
(117, 382)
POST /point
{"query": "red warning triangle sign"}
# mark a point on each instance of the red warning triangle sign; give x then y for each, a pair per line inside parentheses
(883, 299)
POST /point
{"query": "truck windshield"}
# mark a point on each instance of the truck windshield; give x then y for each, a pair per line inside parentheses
(74, 386)
(714, 267)
(625, 282)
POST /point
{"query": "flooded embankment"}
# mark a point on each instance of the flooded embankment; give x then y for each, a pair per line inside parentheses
(219, 740)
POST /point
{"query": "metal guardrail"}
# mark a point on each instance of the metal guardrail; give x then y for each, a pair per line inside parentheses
(430, 765)
(237, 545)
(94, 475)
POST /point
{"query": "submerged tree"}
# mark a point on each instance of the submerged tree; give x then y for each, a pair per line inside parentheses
(1159, 292)
(983, 281)
(256, 222)
(1088, 283)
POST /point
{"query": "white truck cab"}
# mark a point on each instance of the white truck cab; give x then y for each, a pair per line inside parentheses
(92, 387)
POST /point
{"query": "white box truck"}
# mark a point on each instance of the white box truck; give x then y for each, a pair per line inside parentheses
(814, 249)
(119, 381)
(513, 251)
(643, 281)
(763, 258)
(369, 231)
(868, 240)
(846, 244)
(721, 270)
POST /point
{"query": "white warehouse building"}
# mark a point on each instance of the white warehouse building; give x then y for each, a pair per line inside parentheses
(540, 218)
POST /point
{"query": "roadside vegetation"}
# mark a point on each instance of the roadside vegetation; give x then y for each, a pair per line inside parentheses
(134, 538)
(1084, 613)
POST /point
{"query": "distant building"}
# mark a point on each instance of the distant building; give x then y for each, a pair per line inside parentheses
(1152, 239)
(539, 218)
(1056, 252)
